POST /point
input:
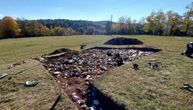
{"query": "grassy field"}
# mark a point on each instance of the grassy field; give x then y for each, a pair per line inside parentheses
(143, 89)
(13, 94)
(151, 89)
(12, 50)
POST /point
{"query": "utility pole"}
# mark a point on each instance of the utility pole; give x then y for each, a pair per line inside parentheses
(111, 28)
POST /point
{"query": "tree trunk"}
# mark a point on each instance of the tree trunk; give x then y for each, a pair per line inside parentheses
(171, 30)
(187, 27)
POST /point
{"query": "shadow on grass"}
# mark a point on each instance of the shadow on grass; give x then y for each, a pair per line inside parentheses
(190, 57)
(105, 102)
(134, 48)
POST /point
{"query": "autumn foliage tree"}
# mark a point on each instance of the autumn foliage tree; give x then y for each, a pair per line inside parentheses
(59, 31)
(8, 27)
(157, 23)
(39, 29)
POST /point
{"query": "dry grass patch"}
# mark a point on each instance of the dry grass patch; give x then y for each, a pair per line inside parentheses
(151, 89)
(15, 96)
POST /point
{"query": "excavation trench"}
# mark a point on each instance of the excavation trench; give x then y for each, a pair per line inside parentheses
(75, 71)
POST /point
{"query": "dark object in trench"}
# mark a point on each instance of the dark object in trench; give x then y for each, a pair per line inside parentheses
(91, 93)
(123, 41)
(109, 54)
(104, 102)
(187, 87)
(135, 67)
(82, 46)
(119, 60)
(56, 102)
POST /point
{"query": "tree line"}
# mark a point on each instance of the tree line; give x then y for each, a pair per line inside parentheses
(29, 28)
(82, 27)
(157, 23)
(10, 27)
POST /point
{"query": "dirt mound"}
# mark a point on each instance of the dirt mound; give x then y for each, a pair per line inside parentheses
(59, 51)
(123, 41)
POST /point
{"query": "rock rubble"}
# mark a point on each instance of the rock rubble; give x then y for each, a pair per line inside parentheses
(74, 70)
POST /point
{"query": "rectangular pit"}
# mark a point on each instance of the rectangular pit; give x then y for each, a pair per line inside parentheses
(75, 70)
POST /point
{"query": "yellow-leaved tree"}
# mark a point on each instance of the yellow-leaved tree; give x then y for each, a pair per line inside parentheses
(8, 27)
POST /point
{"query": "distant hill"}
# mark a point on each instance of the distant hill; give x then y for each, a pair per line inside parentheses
(80, 26)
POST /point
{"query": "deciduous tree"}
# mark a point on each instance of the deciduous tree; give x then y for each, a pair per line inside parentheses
(173, 22)
(9, 27)
(188, 18)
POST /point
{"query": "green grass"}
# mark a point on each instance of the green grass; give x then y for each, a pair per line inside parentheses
(151, 89)
(143, 89)
(13, 94)
(12, 50)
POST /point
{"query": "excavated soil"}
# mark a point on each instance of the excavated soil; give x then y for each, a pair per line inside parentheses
(123, 41)
(75, 70)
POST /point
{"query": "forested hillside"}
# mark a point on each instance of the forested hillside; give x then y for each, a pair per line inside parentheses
(80, 26)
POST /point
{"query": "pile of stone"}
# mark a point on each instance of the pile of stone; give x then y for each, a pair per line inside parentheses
(75, 70)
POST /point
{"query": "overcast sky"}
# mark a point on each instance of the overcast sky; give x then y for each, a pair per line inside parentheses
(95, 10)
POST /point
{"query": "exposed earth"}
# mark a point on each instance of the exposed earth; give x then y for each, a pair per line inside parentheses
(148, 86)
(75, 70)
(123, 41)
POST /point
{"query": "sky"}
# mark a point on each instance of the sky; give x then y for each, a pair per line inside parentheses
(95, 10)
